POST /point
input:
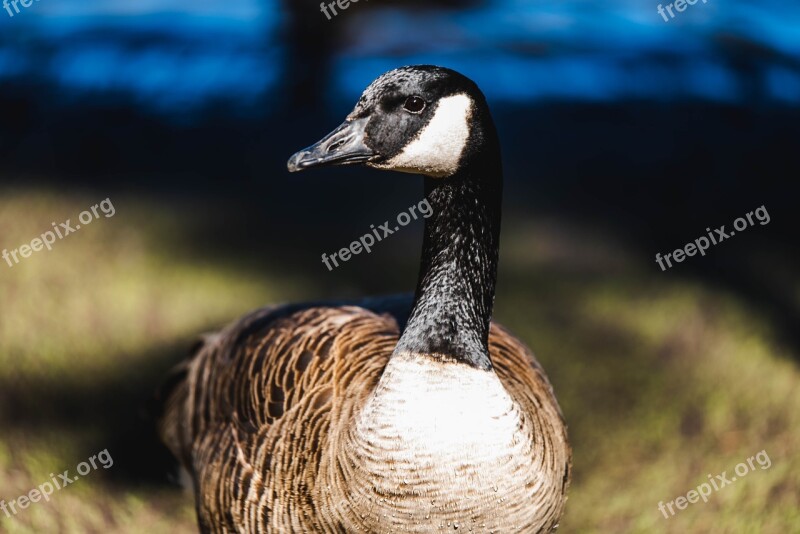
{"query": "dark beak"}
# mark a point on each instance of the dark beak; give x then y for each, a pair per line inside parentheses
(343, 146)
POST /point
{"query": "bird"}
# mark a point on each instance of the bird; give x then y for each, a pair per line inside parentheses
(413, 414)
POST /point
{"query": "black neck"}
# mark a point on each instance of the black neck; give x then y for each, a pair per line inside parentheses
(455, 292)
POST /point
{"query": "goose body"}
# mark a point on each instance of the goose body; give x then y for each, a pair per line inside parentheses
(386, 416)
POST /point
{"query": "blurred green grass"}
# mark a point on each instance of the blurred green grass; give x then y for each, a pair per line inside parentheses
(662, 381)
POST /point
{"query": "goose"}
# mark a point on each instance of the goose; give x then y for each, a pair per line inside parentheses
(383, 415)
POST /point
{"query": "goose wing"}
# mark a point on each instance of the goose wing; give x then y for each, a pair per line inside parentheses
(248, 415)
(527, 383)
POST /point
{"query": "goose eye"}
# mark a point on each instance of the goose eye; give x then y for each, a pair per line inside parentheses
(414, 104)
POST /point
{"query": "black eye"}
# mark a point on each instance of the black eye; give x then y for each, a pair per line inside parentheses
(414, 104)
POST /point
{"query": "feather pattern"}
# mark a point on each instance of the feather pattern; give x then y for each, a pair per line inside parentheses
(265, 421)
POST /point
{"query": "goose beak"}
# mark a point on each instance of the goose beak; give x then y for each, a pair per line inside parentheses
(343, 146)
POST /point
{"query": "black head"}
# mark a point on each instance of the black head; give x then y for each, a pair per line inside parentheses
(422, 120)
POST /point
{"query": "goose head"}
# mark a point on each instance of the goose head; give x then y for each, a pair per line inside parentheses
(420, 119)
(434, 122)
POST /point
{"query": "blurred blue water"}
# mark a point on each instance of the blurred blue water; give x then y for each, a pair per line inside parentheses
(177, 55)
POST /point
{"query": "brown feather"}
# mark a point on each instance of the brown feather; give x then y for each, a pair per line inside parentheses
(267, 403)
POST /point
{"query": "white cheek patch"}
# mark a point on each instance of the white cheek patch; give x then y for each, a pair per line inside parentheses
(437, 149)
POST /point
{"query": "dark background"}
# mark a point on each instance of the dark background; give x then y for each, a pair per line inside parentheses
(607, 113)
(632, 132)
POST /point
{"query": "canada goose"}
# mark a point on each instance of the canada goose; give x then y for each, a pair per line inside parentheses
(325, 418)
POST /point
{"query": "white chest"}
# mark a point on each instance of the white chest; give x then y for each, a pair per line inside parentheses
(439, 409)
(440, 445)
